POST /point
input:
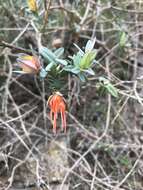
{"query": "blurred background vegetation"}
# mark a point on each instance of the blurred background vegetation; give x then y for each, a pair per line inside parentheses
(104, 142)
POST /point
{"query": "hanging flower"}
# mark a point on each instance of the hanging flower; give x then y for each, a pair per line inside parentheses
(32, 5)
(29, 64)
(57, 105)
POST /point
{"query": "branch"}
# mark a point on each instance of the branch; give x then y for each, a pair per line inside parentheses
(15, 48)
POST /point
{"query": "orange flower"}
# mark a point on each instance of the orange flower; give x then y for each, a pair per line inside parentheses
(57, 105)
(29, 64)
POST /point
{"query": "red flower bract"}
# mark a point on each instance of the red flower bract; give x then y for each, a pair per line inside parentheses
(29, 64)
(57, 105)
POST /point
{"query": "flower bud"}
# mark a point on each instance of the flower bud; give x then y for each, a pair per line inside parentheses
(29, 64)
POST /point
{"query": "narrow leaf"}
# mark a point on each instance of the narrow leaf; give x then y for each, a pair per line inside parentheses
(87, 60)
(47, 54)
(123, 39)
(80, 50)
(61, 61)
(75, 70)
(49, 66)
(82, 77)
(43, 73)
(90, 45)
(59, 52)
(89, 71)
(72, 69)
(76, 59)
(107, 85)
(112, 90)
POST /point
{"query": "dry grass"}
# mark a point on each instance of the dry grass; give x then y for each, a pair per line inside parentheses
(105, 135)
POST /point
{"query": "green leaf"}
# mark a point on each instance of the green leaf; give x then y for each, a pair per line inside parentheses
(87, 60)
(108, 86)
(123, 39)
(43, 73)
(49, 66)
(125, 161)
(75, 70)
(62, 62)
(103, 80)
(47, 54)
(76, 59)
(72, 69)
(80, 50)
(59, 52)
(68, 67)
(89, 71)
(112, 90)
(90, 45)
(82, 77)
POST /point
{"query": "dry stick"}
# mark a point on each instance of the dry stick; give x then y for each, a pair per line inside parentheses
(14, 29)
(26, 89)
(22, 115)
(39, 178)
(140, 100)
(20, 34)
(16, 134)
(14, 169)
(85, 162)
(93, 179)
(102, 169)
(99, 180)
(93, 145)
(137, 161)
(87, 181)
(61, 3)
(38, 35)
(126, 10)
(82, 126)
(130, 172)
(18, 165)
(9, 127)
(38, 38)
(119, 111)
(47, 7)
(128, 95)
(2, 43)
(85, 14)
(16, 107)
(44, 108)
(73, 12)
(122, 92)
(89, 171)
(6, 86)
(15, 48)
